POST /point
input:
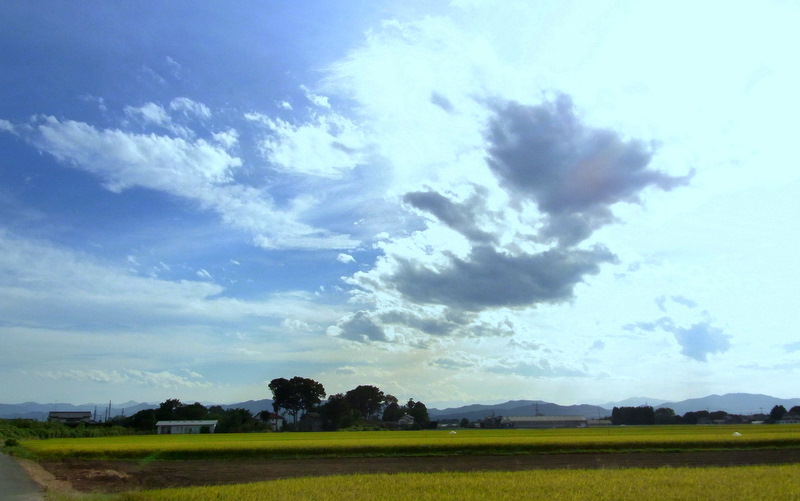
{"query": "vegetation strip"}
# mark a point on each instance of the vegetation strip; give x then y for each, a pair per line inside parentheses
(419, 443)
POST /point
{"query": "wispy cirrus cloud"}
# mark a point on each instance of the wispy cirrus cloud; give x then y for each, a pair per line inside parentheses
(52, 287)
(197, 170)
(160, 379)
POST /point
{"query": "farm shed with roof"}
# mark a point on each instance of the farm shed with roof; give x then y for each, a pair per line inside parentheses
(186, 427)
(70, 417)
(543, 422)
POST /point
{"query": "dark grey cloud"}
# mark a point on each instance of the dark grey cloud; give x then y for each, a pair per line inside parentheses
(488, 278)
(573, 172)
(438, 326)
(460, 217)
(442, 102)
(360, 327)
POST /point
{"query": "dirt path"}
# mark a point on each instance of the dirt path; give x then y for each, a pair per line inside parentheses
(116, 476)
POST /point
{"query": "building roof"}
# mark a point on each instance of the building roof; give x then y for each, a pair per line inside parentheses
(544, 418)
(70, 414)
(188, 423)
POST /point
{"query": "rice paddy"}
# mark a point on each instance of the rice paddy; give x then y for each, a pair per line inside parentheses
(430, 442)
(751, 483)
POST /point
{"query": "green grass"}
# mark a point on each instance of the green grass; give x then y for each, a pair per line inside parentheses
(408, 443)
(751, 483)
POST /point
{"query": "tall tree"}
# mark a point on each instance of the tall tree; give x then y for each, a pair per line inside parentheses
(296, 394)
(366, 399)
(191, 411)
(419, 412)
(777, 413)
(665, 415)
(391, 410)
(633, 415)
(168, 409)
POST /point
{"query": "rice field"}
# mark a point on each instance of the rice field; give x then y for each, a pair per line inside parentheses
(751, 483)
(429, 442)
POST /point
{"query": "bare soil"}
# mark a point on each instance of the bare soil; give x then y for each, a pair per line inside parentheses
(116, 476)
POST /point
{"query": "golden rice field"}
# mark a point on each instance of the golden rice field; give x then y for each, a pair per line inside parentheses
(429, 442)
(746, 483)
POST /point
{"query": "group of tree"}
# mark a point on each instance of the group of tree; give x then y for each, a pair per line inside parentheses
(665, 415)
(633, 415)
(364, 405)
(228, 420)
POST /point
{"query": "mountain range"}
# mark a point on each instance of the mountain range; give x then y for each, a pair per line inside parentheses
(732, 403)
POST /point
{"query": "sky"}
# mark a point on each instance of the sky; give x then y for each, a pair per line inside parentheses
(464, 202)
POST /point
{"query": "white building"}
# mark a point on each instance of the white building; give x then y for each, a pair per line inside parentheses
(176, 427)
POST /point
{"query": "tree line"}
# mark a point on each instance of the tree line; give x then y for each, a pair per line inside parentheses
(228, 420)
(365, 406)
(300, 402)
(664, 415)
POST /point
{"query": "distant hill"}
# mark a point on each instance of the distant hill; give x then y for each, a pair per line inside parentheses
(519, 408)
(254, 406)
(634, 402)
(732, 403)
(39, 412)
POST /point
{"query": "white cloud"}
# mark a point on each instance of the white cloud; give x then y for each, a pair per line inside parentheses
(174, 66)
(227, 139)
(162, 379)
(327, 146)
(126, 159)
(345, 258)
(195, 170)
(151, 113)
(152, 74)
(49, 286)
(316, 99)
(7, 126)
(188, 106)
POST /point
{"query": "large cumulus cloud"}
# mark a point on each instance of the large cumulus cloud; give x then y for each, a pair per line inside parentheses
(559, 180)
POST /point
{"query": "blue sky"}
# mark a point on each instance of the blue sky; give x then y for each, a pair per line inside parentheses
(463, 202)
